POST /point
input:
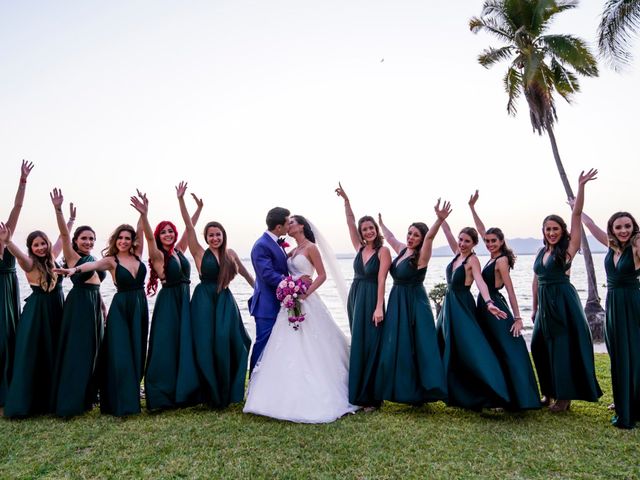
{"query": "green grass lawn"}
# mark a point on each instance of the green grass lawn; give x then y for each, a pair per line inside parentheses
(396, 442)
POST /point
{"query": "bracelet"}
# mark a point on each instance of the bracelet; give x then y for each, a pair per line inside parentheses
(23, 180)
(517, 318)
(489, 302)
(58, 210)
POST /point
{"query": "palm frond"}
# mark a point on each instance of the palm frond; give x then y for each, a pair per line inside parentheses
(565, 81)
(513, 86)
(572, 51)
(491, 55)
(546, 11)
(620, 22)
(500, 30)
(496, 9)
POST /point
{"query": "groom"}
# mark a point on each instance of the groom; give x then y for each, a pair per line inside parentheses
(270, 264)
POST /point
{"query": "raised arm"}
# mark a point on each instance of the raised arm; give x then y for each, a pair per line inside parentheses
(241, 268)
(183, 243)
(451, 240)
(356, 241)
(70, 255)
(595, 230)
(25, 170)
(139, 249)
(484, 291)
(576, 215)
(316, 261)
(502, 265)
(194, 247)
(156, 257)
(25, 262)
(385, 263)
(427, 244)
(476, 218)
(396, 244)
(57, 246)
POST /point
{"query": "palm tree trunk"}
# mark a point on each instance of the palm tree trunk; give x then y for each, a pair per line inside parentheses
(593, 309)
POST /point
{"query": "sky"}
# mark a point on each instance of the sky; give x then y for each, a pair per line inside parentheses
(258, 104)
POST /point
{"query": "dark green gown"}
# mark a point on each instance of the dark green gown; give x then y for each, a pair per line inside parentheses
(410, 368)
(35, 353)
(220, 340)
(125, 344)
(511, 351)
(171, 378)
(75, 384)
(622, 334)
(561, 342)
(9, 314)
(474, 375)
(365, 336)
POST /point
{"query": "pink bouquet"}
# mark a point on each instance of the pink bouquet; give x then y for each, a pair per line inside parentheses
(288, 293)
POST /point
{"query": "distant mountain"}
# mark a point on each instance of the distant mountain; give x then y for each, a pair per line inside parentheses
(521, 246)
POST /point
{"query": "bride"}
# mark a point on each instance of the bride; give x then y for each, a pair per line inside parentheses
(302, 375)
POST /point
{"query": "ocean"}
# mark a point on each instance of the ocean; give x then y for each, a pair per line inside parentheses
(521, 275)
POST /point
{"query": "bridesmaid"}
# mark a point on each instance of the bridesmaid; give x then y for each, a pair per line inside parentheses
(561, 342)
(365, 306)
(474, 375)
(9, 291)
(221, 342)
(74, 380)
(124, 346)
(171, 378)
(410, 368)
(505, 336)
(37, 330)
(622, 265)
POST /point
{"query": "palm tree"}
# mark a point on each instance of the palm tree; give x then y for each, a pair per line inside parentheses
(620, 20)
(541, 65)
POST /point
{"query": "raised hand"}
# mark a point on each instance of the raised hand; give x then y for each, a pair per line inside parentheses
(57, 198)
(442, 213)
(72, 211)
(380, 219)
(25, 170)
(181, 189)
(5, 233)
(473, 199)
(587, 177)
(199, 202)
(341, 193)
(140, 203)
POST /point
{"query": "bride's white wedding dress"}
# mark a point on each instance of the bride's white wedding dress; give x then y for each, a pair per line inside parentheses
(302, 375)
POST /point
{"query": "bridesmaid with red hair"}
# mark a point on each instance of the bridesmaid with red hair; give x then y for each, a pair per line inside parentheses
(171, 378)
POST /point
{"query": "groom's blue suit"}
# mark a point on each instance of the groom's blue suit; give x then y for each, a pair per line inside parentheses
(270, 264)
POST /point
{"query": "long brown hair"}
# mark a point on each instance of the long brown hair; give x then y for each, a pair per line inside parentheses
(44, 265)
(423, 229)
(504, 249)
(228, 268)
(613, 240)
(111, 250)
(378, 242)
(560, 250)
